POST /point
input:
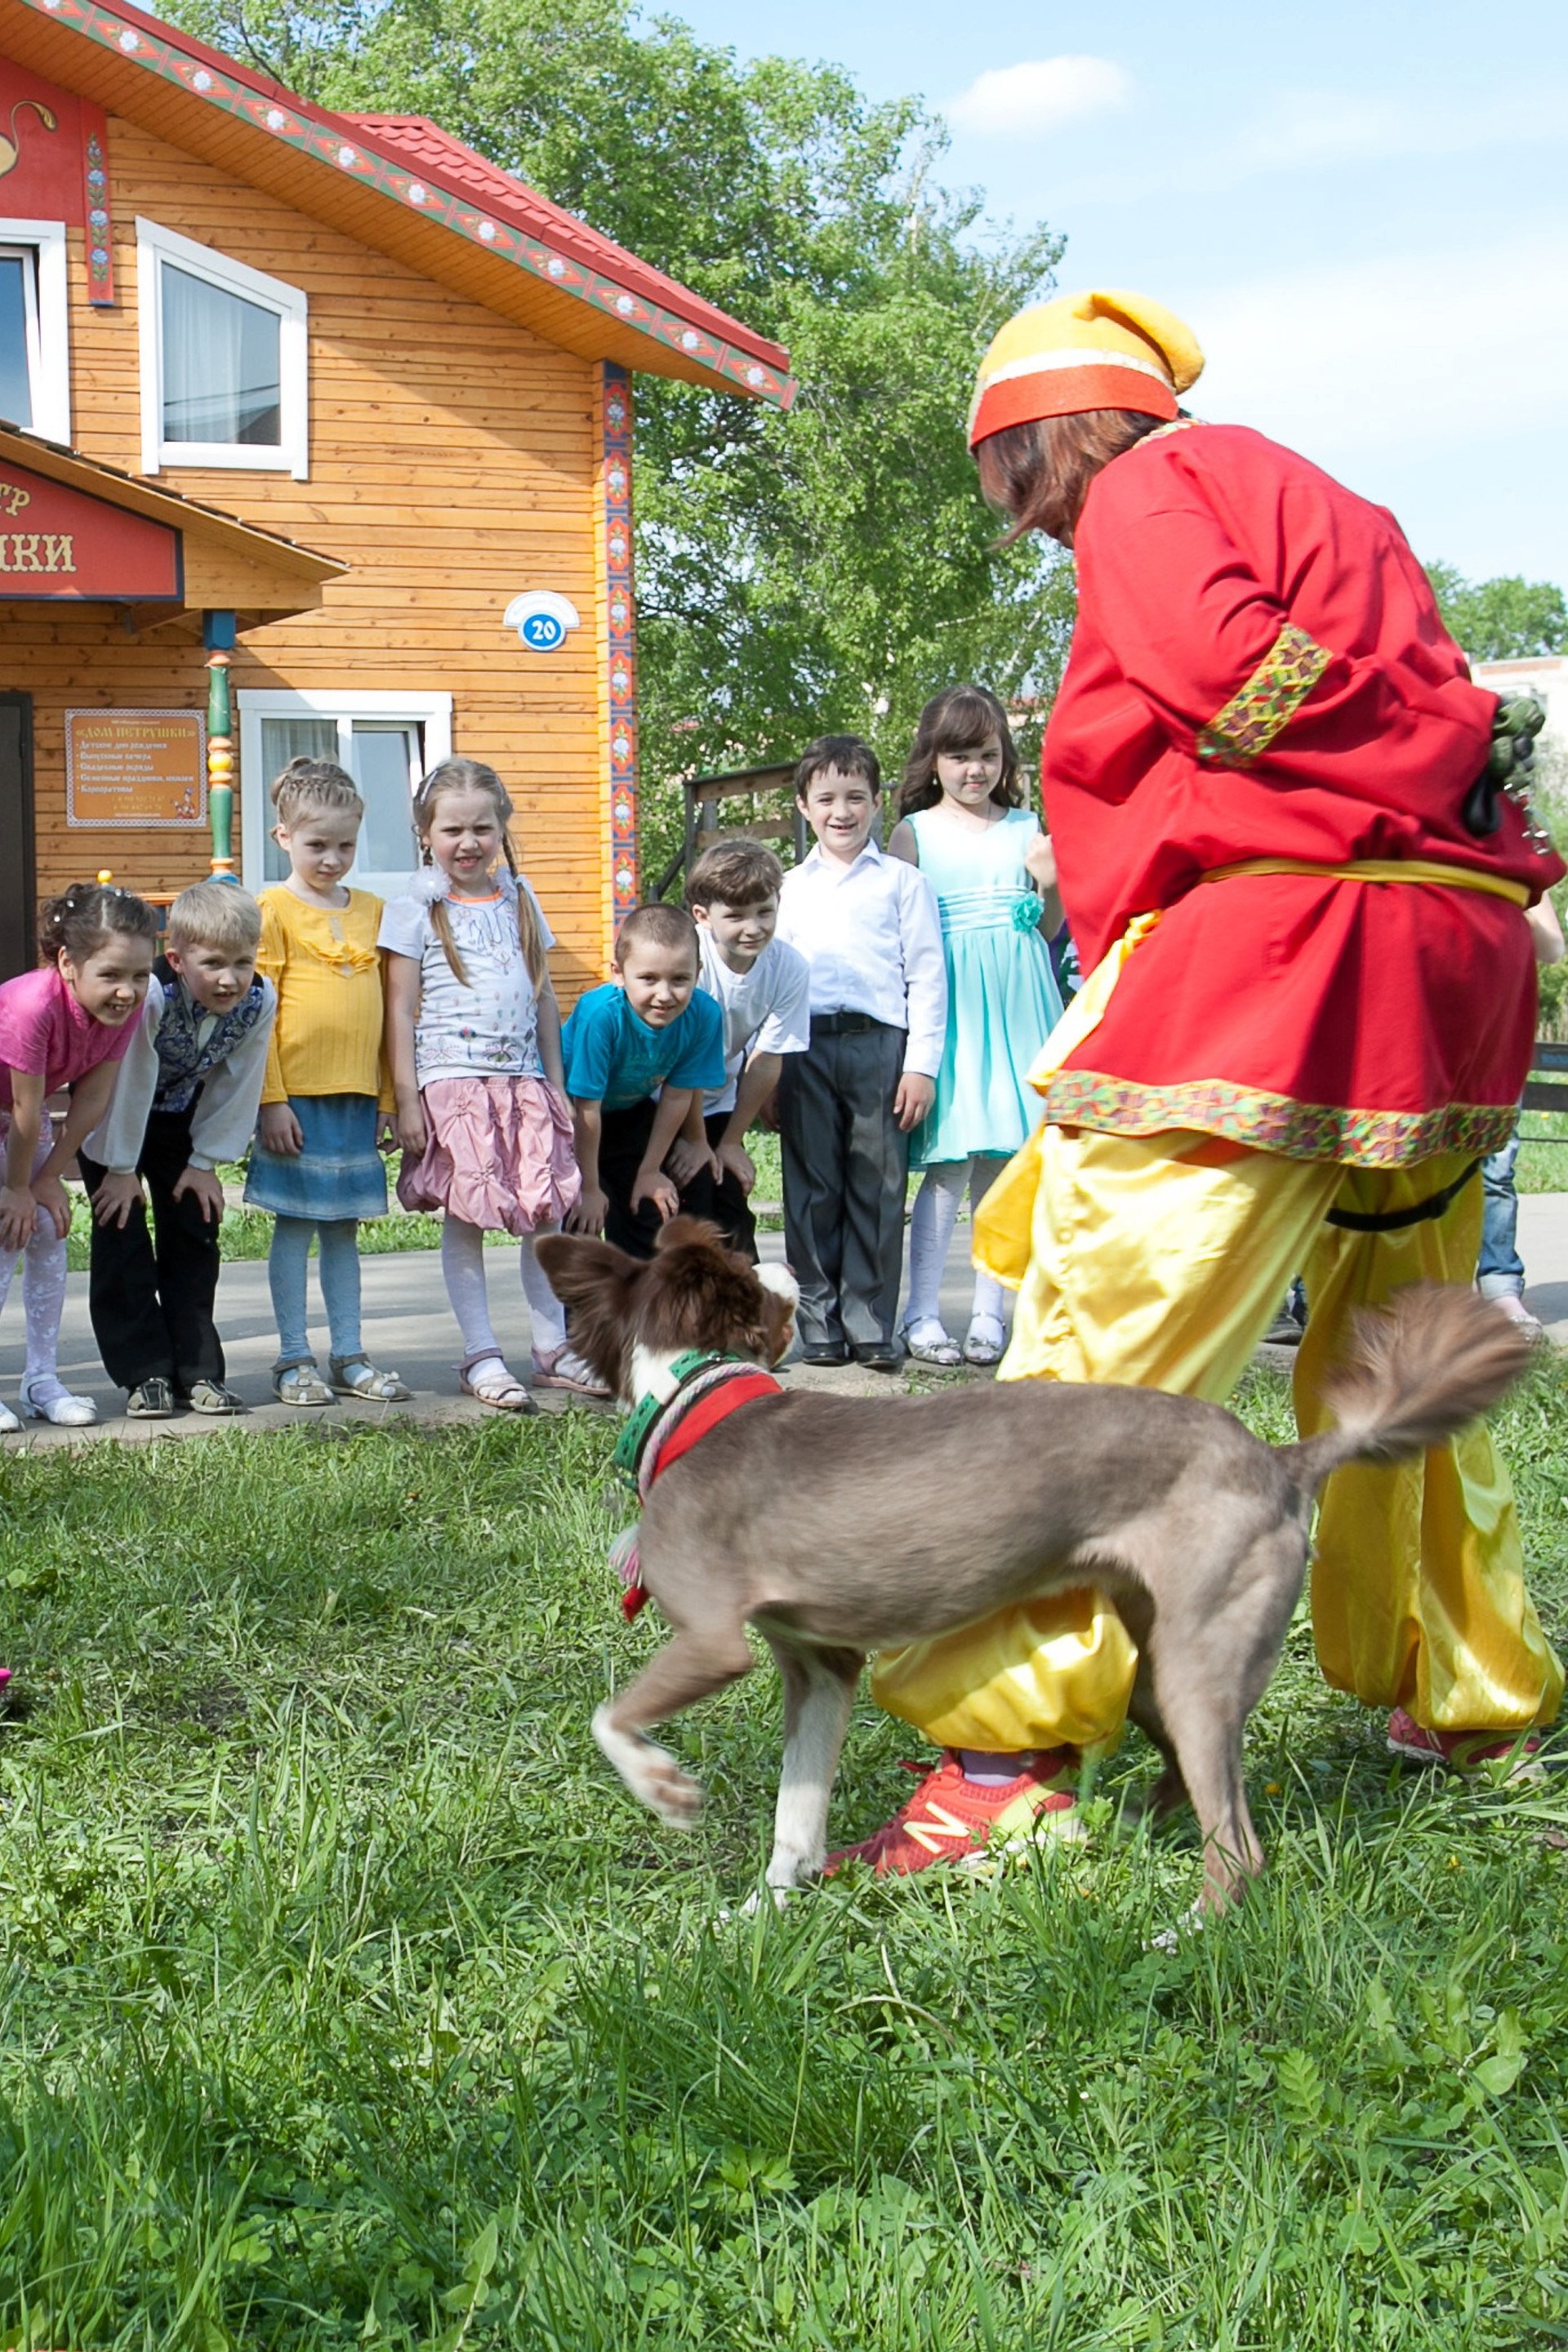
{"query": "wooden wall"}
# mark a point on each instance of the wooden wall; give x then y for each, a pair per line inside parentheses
(453, 461)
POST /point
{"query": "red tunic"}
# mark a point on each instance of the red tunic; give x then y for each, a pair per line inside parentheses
(1258, 670)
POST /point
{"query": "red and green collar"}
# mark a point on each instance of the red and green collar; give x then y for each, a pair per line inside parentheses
(709, 1385)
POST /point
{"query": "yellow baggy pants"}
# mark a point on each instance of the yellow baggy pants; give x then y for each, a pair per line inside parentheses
(1159, 1262)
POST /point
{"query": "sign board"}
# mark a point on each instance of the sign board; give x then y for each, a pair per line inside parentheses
(136, 768)
(56, 542)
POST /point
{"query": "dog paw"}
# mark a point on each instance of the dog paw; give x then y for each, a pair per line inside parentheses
(669, 1793)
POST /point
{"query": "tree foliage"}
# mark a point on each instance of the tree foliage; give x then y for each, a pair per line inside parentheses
(830, 569)
(1507, 619)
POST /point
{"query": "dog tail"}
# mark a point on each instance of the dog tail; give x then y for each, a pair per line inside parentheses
(1417, 1370)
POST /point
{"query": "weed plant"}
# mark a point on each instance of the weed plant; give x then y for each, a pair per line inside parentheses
(349, 2001)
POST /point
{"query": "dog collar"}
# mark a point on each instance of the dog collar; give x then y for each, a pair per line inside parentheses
(708, 1377)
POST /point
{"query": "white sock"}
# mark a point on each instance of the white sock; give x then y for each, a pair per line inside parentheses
(932, 1224)
(545, 1310)
(463, 1265)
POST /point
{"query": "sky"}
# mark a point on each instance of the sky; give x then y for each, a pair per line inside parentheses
(1362, 210)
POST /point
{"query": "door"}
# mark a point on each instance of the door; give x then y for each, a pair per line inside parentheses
(19, 881)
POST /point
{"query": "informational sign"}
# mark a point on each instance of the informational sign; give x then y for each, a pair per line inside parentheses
(542, 620)
(136, 768)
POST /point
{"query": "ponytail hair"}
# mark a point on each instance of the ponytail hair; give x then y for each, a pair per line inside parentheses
(465, 776)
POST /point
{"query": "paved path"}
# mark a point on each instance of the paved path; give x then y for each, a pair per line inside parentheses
(408, 1327)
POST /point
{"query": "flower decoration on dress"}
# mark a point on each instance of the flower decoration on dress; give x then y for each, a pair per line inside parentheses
(1028, 912)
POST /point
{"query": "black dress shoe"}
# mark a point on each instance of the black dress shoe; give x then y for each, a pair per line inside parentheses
(832, 1351)
(882, 1356)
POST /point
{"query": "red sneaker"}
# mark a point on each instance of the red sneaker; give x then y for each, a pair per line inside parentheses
(1466, 1751)
(950, 1819)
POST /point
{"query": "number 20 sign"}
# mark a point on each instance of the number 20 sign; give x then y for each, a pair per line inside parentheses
(542, 620)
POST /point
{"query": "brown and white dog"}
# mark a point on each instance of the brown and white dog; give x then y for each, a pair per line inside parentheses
(837, 1526)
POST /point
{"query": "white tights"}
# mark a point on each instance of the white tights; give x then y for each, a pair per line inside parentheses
(936, 1208)
(43, 1297)
(463, 1265)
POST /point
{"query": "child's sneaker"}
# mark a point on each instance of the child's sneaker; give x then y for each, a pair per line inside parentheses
(952, 1819)
(1467, 1751)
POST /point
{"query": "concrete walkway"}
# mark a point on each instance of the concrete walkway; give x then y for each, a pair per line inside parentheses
(408, 1327)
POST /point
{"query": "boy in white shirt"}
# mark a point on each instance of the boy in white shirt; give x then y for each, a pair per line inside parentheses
(763, 990)
(869, 929)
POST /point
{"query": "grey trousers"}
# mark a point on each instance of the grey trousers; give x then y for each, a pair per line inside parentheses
(845, 1169)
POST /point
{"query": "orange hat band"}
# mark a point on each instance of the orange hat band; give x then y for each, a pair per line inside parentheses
(1055, 389)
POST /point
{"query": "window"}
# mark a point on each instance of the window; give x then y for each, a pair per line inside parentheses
(386, 741)
(223, 359)
(35, 369)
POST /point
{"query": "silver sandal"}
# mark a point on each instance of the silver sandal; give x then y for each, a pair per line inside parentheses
(943, 1352)
(982, 1351)
(301, 1384)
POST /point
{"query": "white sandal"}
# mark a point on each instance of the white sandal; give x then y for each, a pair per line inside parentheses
(563, 1368)
(55, 1404)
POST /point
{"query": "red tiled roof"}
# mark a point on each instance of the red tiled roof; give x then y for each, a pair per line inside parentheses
(464, 172)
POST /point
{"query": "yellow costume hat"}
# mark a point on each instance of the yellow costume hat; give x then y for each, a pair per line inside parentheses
(1100, 349)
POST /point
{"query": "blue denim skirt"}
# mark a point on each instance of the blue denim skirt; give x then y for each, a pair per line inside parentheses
(340, 1173)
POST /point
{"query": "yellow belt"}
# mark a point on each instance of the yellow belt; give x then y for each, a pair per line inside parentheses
(1381, 869)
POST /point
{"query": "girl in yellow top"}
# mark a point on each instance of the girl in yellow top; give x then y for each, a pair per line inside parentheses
(314, 1164)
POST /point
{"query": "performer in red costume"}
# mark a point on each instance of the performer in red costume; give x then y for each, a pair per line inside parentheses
(1309, 1015)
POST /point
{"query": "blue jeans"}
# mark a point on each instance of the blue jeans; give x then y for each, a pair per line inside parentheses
(1502, 1269)
(339, 1268)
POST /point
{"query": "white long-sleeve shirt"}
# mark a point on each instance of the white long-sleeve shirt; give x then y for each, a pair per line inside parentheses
(871, 933)
(230, 1095)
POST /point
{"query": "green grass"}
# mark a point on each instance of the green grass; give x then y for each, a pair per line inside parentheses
(347, 2000)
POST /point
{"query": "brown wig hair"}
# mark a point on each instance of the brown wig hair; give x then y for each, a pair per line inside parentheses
(661, 926)
(737, 873)
(1038, 474)
(959, 718)
(314, 784)
(847, 754)
(473, 776)
(81, 919)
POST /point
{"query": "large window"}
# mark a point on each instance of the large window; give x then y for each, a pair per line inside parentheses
(385, 740)
(35, 372)
(223, 359)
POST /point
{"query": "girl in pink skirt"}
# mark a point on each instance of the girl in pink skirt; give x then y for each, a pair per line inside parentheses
(474, 1041)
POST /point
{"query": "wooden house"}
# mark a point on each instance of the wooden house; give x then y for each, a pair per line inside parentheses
(320, 442)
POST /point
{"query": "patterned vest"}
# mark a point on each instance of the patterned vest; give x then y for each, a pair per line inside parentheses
(184, 1061)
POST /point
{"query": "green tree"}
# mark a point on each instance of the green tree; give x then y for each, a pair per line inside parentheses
(1507, 619)
(832, 568)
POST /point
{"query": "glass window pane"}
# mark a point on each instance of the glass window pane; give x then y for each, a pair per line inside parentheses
(16, 390)
(222, 377)
(386, 767)
(283, 739)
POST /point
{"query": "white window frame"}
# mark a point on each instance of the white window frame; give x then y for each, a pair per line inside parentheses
(431, 711)
(154, 246)
(51, 379)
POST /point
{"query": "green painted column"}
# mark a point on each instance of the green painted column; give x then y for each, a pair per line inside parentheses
(219, 637)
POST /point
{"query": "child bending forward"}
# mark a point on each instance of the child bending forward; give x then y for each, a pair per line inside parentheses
(473, 1036)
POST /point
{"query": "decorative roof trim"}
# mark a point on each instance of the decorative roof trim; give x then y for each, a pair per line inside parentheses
(156, 49)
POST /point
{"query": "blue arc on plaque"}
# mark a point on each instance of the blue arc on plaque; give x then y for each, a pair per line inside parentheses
(543, 632)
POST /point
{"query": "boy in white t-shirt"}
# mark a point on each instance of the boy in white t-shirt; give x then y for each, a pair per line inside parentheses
(763, 990)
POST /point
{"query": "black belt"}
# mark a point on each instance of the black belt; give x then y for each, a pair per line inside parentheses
(1391, 1220)
(846, 1024)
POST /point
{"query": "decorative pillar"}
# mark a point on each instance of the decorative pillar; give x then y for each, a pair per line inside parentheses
(620, 638)
(218, 636)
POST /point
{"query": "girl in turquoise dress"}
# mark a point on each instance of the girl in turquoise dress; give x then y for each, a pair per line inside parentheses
(994, 875)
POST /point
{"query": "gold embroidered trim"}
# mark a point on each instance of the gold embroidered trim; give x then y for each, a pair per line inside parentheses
(1251, 719)
(1270, 1122)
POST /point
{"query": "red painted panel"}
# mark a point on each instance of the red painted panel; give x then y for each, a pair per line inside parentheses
(41, 149)
(56, 542)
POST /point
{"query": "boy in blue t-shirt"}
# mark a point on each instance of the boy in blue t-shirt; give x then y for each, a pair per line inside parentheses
(636, 1052)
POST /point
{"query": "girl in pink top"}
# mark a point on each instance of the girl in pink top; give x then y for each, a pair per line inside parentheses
(68, 1024)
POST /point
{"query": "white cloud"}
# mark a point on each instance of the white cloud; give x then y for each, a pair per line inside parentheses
(1406, 356)
(1041, 94)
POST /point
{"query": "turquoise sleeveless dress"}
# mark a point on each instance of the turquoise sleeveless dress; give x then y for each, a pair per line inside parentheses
(1003, 1001)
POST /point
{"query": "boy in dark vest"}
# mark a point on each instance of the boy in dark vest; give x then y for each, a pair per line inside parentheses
(185, 1100)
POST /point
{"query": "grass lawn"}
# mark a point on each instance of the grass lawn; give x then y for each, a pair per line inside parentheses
(349, 2001)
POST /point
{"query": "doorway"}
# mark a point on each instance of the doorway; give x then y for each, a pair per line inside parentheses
(18, 877)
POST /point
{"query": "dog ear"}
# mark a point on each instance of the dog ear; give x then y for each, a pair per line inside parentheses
(582, 1271)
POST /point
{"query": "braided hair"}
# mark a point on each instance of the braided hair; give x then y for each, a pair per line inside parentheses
(472, 775)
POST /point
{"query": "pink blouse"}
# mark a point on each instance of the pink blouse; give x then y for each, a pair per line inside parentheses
(45, 1032)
